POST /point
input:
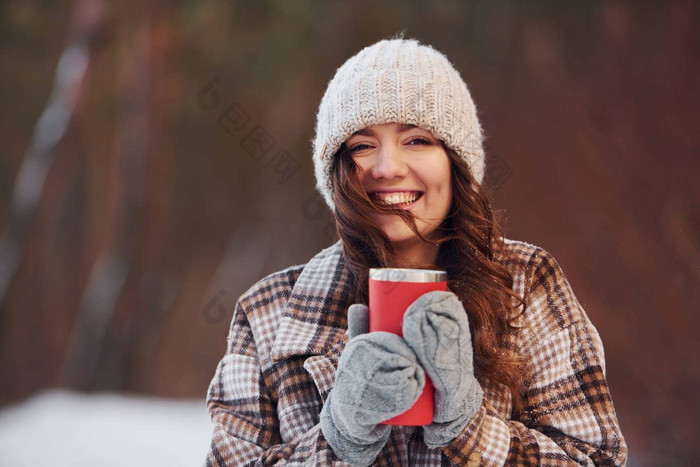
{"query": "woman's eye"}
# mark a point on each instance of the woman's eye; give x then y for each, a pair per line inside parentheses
(358, 147)
(412, 142)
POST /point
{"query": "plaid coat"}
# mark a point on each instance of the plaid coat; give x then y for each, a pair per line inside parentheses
(288, 332)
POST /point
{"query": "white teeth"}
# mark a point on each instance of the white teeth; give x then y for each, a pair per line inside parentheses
(402, 198)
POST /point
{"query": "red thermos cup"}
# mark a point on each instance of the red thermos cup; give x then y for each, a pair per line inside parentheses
(391, 291)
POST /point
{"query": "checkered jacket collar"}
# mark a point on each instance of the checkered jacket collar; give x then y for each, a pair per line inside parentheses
(314, 319)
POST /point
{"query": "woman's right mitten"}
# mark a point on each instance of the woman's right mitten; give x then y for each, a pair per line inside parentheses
(378, 377)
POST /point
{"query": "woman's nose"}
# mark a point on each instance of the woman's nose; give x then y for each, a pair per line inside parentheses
(389, 164)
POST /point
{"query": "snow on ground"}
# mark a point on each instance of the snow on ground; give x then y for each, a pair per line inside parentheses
(67, 429)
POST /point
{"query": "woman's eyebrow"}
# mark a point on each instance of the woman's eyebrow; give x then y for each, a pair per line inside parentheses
(367, 132)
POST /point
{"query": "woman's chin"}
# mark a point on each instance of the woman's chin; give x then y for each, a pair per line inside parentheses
(399, 235)
(404, 240)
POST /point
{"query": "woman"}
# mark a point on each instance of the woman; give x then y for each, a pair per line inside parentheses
(518, 368)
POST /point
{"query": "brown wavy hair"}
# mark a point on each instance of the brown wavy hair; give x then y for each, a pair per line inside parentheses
(470, 237)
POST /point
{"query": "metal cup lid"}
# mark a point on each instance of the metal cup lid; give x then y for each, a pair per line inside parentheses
(407, 275)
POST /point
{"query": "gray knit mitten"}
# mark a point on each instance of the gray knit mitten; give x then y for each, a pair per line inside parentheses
(437, 329)
(378, 377)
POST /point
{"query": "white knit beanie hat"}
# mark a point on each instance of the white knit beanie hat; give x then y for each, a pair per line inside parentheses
(396, 81)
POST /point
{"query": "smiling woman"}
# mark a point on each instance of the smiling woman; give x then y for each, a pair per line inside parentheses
(404, 167)
(517, 367)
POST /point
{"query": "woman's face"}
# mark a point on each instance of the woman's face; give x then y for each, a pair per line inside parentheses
(407, 167)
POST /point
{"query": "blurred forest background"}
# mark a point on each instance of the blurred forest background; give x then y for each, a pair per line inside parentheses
(155, 162)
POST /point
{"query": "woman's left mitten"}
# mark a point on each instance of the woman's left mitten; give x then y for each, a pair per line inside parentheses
(436, 327)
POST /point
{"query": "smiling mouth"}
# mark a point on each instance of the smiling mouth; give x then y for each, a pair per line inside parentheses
(398, 199)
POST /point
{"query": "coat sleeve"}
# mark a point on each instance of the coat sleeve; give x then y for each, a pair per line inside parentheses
(246, 425)
(568, 416)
